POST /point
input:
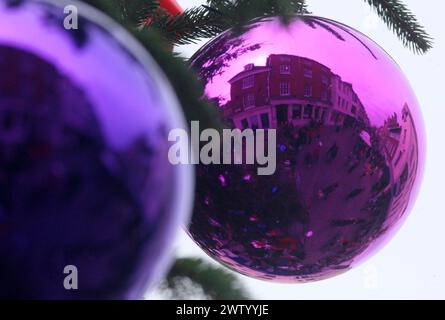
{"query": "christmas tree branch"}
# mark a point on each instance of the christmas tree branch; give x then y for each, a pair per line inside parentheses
(155, 29)
(239, 12)
(219, 15)
(210, 20)
(189, 27)
(216, 283)
(403, 22)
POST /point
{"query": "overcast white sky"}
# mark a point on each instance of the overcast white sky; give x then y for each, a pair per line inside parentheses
(412, 265)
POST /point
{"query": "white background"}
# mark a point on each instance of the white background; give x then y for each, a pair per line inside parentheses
(412, 265)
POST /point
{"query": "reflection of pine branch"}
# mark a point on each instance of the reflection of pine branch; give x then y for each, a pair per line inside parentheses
(226, 48)
(192, 278)
(345, 29)
(313, 22)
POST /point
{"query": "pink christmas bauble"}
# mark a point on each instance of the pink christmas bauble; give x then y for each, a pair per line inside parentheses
(349, 149)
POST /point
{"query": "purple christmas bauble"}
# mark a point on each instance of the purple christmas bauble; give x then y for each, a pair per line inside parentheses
(348, 148)
(89, 202)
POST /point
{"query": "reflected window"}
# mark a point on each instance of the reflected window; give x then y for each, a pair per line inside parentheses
(284, 89)
(296, 111)
(282, 113)
(254, 124)
(248, 82)
(324, 94)
(265, 120)
(324, 79)
(308, 72)
(323, 115)
(354, 109)
(308, 111)
(317, 112)
(249, 100)
(230, 123)
(284, 69)
(307, 90)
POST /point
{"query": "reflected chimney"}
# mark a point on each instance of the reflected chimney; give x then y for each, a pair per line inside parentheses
(249, 66)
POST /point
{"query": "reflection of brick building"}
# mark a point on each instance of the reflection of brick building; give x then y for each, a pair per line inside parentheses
(291, 89)
(346, 105)
(399, 145)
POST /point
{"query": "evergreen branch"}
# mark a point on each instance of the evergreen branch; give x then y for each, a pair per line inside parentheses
(137, 10)
(215, 282)
(190, 26)
(239, 12)
(219, 15)
(404, 24)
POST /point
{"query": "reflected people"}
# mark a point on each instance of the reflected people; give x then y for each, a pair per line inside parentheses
(347, 151)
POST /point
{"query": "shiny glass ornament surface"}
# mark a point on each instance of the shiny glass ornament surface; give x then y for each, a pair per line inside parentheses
(84, 175)
(349, 150)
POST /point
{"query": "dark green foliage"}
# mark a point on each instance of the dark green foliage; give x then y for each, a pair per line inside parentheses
(404, 24)
(219, 15)
(191, 26)
(205, 280)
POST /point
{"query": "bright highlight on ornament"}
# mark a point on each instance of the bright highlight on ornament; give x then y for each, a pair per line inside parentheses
(350, 150)
(84, 177)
